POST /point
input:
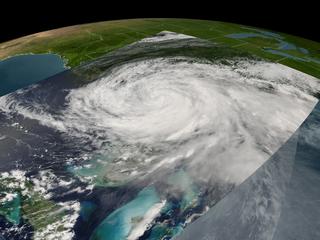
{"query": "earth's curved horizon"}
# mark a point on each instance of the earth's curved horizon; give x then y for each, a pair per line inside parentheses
(159, 129)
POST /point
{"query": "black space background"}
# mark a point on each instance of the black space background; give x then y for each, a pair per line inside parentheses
(20, 18)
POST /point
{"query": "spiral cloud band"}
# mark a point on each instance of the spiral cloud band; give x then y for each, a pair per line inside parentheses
(226, 119)
(230, 116)
(169, 124)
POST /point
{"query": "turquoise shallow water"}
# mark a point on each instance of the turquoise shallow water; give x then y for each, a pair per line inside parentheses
(95, 168)
(11, 210)
(182, 182)
(20, 71)
(118, 224)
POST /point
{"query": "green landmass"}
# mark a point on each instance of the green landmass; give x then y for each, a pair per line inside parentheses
(29, 204)
(82, 43)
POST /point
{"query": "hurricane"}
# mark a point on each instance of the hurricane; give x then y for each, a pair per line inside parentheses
(221, 120)
(141, 142)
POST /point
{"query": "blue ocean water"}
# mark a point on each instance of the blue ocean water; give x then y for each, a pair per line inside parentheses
(182, 181)
(86, 210)
(20, 71)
